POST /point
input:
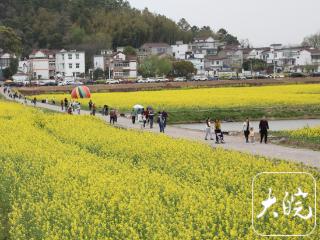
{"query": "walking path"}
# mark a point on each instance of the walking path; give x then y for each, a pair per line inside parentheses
(305, 156)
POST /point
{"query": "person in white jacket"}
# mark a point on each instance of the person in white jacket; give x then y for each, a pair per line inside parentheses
(208, 129)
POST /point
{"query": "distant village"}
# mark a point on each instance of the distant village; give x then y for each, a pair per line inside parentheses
(209, 57)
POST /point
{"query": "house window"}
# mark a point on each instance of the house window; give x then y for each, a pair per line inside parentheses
(70, 65)
(217, 62)
(63, 65)
(77, 56)
(78, 65)
(69, 56)
(62, 56)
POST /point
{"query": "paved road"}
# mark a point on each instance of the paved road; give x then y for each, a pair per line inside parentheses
(305, 156)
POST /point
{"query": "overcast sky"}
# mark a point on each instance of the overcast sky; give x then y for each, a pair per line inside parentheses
(261, 21)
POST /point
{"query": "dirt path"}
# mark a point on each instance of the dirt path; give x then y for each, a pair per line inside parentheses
(305, 156)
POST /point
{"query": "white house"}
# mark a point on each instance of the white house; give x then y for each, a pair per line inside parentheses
(99, 62)
(70, 63)
(20, 77)
(124, 68)
(205, 45)
(179, 50)
(42, 63)
(198, 62)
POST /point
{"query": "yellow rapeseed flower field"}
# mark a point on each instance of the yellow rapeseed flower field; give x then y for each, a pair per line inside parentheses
(307, 134)
(74, 177)
(285, 95)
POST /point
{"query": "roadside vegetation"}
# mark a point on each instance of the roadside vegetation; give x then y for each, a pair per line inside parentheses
(306, 137)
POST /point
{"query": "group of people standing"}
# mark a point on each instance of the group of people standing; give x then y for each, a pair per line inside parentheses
(69, 106)
(249, 132)
(147, 116)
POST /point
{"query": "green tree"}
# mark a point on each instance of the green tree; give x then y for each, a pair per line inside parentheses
(98, 74)
(155, 66)
(130, 51)
(9, 41)
(183, 69)
(226, 37)
(255, 65)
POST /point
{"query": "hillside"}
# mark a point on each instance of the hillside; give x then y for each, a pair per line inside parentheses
(89, 24)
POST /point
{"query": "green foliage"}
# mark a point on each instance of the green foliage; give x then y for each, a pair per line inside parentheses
(155, 66)
(98, 74)
(183, 69)
(9, 41)
(256, 65)
(130, 51)
(226, 37)
(11, 70)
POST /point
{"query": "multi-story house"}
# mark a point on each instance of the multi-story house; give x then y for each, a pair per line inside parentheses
(179, 50)
(214, 64)
(70, 63)
(205, 45)
(42, 64)
(198, 62)
(124, 69)
(149, 49)
(315, 58)
(117, 65)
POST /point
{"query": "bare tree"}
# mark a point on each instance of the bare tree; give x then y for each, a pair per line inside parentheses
(312, 40)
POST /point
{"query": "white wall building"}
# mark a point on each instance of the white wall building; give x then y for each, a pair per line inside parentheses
(70, 63)
(42, 64)
(99, 62)
(198, 62)
(179, 50)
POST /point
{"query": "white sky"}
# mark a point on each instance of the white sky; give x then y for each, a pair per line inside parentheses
(261, 21)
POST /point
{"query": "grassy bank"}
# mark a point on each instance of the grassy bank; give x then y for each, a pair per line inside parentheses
(305, 137)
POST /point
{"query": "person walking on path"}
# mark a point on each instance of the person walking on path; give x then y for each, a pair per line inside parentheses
(94, 109)
(90, 105)
(208, 129)
(62, 104)
(252, 139)
(133, 116)
(161, 122)
(246, 129)
(218, 132)
(145, 116)
(140, 120)
(112, 116)
(264, 127)
(165, 118)
(151, 118)
(78, 108)
(105, 110)
(66, 104)
(34, 101)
